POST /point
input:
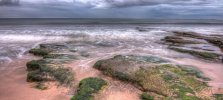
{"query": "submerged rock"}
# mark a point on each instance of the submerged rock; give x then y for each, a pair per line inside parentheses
(157, 78)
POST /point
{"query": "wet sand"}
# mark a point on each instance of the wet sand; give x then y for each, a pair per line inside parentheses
(13, 85)
(210, 69)
(13, 81)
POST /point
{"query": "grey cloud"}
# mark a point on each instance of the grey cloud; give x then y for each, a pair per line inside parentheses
(185, 9)
(128, 3)
(9, 2)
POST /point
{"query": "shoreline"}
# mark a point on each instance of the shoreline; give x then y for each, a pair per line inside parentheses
(83, 51)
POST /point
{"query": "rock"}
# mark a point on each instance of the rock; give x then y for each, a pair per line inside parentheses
(218, 96)
(196, 44)
(35, 65)
(152, 76)
(43, 71)
(216, 41)
(146, 96)
(36, 76)
(60, 58)
(88, 87)
(54, 47)
(73, 49)
(84, 54)
(201, 54)
(188, 34)
(41, 86)
(39, 52)
(51, 66)
(141, 29)
(179, 40)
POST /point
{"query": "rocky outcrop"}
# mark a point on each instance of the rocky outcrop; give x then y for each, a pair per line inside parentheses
(51, 67)
(208, 47)
(156, 76)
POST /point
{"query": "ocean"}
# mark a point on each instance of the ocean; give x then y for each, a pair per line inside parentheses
(17, 36)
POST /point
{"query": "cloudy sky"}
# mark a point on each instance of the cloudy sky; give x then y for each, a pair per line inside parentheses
(163, 9)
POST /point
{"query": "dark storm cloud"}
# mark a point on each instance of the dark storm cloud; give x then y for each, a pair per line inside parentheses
(113, 9)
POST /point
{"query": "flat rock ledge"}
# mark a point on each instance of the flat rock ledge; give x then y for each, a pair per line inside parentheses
(158, 78)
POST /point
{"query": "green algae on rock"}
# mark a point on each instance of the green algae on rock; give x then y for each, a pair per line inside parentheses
(51, 66)
(146, 96)
(218, 96)
(39, 52)
(42, 72)
(216, 41)
(88, 87)
(201, 54)
(179, 40)
(165, 80)
(199, 45)
(54, 46)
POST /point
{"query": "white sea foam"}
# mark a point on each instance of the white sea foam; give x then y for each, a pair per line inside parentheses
(16, 40)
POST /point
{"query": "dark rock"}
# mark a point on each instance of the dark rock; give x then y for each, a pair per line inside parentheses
(53, 47)
(141, 29)
(201, 54)
(180, 40)
(189, 34)
(39, 52)
(216, 41)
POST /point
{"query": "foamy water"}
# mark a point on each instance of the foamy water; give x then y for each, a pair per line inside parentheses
(16, 40)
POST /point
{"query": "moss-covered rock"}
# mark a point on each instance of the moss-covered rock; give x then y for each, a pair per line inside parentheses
(37, 64)
(165, 80)
(40, 71)
(88, 87)
(60, 58)
(175, 40)
(216, 41)
(41, 86)
(146, 96)
(218, 96)
(201, 54)
(54, 46)
(39, 52)
(36, 76)
(51, 66)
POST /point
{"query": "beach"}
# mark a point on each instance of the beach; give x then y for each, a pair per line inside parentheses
(90, 43)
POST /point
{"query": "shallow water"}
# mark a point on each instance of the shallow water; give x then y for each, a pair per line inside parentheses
(100, 42)
(16, 39)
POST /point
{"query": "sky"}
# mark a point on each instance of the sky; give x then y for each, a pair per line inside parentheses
(140, 9)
